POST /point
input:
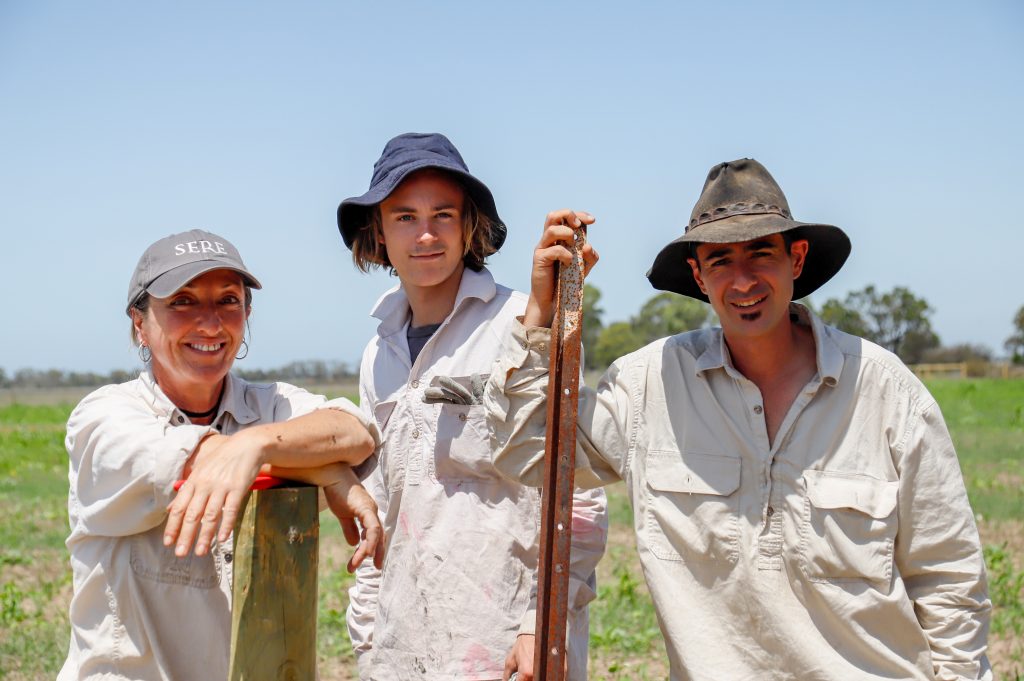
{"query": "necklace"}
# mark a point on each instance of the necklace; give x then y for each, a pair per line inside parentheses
(200, 414)
(204, 414)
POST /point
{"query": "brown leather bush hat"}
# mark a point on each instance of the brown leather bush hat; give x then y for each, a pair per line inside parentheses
(741, 201)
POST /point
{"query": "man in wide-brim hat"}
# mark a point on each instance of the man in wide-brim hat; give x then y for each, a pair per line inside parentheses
(797, 501)
(454, 599)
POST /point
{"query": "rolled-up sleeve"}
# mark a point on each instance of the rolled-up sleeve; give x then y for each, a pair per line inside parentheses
(938, 550)
(292, 401)
(516, 403)
(124, 461)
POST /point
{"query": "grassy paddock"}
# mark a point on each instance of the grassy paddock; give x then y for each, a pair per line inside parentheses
(985, 417)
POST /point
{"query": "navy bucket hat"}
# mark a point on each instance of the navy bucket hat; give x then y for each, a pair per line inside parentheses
(741, 201)
(406, 154)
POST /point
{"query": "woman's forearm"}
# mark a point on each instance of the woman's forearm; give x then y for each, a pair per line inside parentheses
(316, 439)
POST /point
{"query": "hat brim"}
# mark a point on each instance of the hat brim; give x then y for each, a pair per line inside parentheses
(828, 249)
(352, 212)
(171, 281)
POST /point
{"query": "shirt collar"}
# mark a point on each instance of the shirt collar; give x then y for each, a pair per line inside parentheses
(827, 354)
(152, 393)
(392, 308)
(233, 401)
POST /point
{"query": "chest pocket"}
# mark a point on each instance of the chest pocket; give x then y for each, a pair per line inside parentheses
(151, 560)
(692, 506)
(394, 454)
(849, 527)
(462, 451)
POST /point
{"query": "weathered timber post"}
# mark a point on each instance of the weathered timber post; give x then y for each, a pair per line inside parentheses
(273, 618)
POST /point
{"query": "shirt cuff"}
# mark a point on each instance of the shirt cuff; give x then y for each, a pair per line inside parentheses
(529, 344)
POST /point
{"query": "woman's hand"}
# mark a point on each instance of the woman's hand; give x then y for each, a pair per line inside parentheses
(558, 231)
(217, 478)
(350, 502)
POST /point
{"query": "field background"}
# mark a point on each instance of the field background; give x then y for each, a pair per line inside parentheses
(985, 417)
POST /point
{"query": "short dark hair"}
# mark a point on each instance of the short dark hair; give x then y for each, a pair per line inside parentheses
(368, 250)
(788, 237)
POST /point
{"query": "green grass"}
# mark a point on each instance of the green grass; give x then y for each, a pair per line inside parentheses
(985, 418)
(624, 633)
(35, 579)
(333, 645)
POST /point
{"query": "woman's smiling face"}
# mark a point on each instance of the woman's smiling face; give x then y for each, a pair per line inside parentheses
(195, 333)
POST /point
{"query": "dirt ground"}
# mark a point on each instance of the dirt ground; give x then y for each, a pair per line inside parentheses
(1005, 652)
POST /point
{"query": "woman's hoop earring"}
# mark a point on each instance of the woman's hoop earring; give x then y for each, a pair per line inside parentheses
(145, 354)
(244, 354)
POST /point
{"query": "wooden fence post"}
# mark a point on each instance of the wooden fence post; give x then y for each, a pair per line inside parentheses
(273, 618)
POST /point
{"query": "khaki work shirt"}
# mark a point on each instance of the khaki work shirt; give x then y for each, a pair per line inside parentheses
(845, 550)
(459, 577)
(139, 612)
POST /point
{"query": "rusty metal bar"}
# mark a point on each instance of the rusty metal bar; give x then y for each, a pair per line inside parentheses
(559, 466)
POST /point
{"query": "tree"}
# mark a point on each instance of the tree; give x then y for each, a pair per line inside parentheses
(977, 358)
(964, 352)
(897, 320)
(1015, 343)
(616, 340)
(591, 326)
(847, 319)
(667, 314)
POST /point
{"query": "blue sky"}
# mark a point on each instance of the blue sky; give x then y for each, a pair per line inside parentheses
(123, 122)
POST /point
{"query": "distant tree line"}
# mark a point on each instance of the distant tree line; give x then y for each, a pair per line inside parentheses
(897, 320)
(1015, 343)
(308, 371)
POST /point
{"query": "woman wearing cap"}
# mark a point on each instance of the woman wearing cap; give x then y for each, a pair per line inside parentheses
(143, 607)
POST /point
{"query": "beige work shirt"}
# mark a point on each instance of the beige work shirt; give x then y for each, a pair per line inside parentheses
(845, 550)
(459, 576)
(138, 612)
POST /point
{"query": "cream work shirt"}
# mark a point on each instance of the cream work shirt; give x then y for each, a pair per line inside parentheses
(845, 550)
(138, 612)
(459, 575)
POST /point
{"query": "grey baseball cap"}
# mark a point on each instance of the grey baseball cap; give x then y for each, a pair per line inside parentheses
(173, 261)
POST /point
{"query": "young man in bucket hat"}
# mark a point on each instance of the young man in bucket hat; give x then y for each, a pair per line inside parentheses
(456, 592)
(798, 505)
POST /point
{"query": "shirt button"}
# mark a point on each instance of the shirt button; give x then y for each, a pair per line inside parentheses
(541, 347)
(771, 511)
(415, 434)
(228, 557)
(181, 419)
(462, 417)
(415, 384)
(758, 409)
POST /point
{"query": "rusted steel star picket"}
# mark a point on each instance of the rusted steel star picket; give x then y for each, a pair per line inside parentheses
(559, 464)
